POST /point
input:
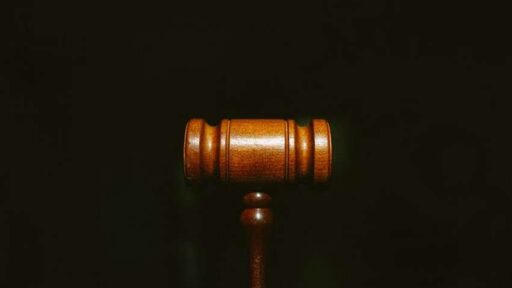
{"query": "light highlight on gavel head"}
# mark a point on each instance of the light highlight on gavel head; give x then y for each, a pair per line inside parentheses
(258, 151)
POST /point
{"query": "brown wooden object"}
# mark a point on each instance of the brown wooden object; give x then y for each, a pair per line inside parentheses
(257, 219)
(256, 152)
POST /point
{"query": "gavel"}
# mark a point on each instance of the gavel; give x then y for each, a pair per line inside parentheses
(256, 153)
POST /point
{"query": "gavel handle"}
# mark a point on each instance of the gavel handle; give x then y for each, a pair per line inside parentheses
(257, 219)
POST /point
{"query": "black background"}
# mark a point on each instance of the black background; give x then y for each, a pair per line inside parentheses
(96, 97)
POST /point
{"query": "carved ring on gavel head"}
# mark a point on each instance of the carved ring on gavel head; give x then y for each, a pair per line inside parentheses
(258, 151)
(255, 152)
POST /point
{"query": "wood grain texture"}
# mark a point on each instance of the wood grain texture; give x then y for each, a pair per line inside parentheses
(257, 219)
(258, 151)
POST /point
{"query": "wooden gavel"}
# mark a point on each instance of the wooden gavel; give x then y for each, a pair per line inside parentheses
(258, 153)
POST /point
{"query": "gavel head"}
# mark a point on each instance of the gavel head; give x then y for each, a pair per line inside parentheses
(263, 151)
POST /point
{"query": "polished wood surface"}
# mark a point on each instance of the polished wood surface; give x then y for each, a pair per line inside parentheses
(257, 218)
(258, 151)
(255, 152)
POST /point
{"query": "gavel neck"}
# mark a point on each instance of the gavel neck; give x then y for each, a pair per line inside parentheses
(257, 219)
